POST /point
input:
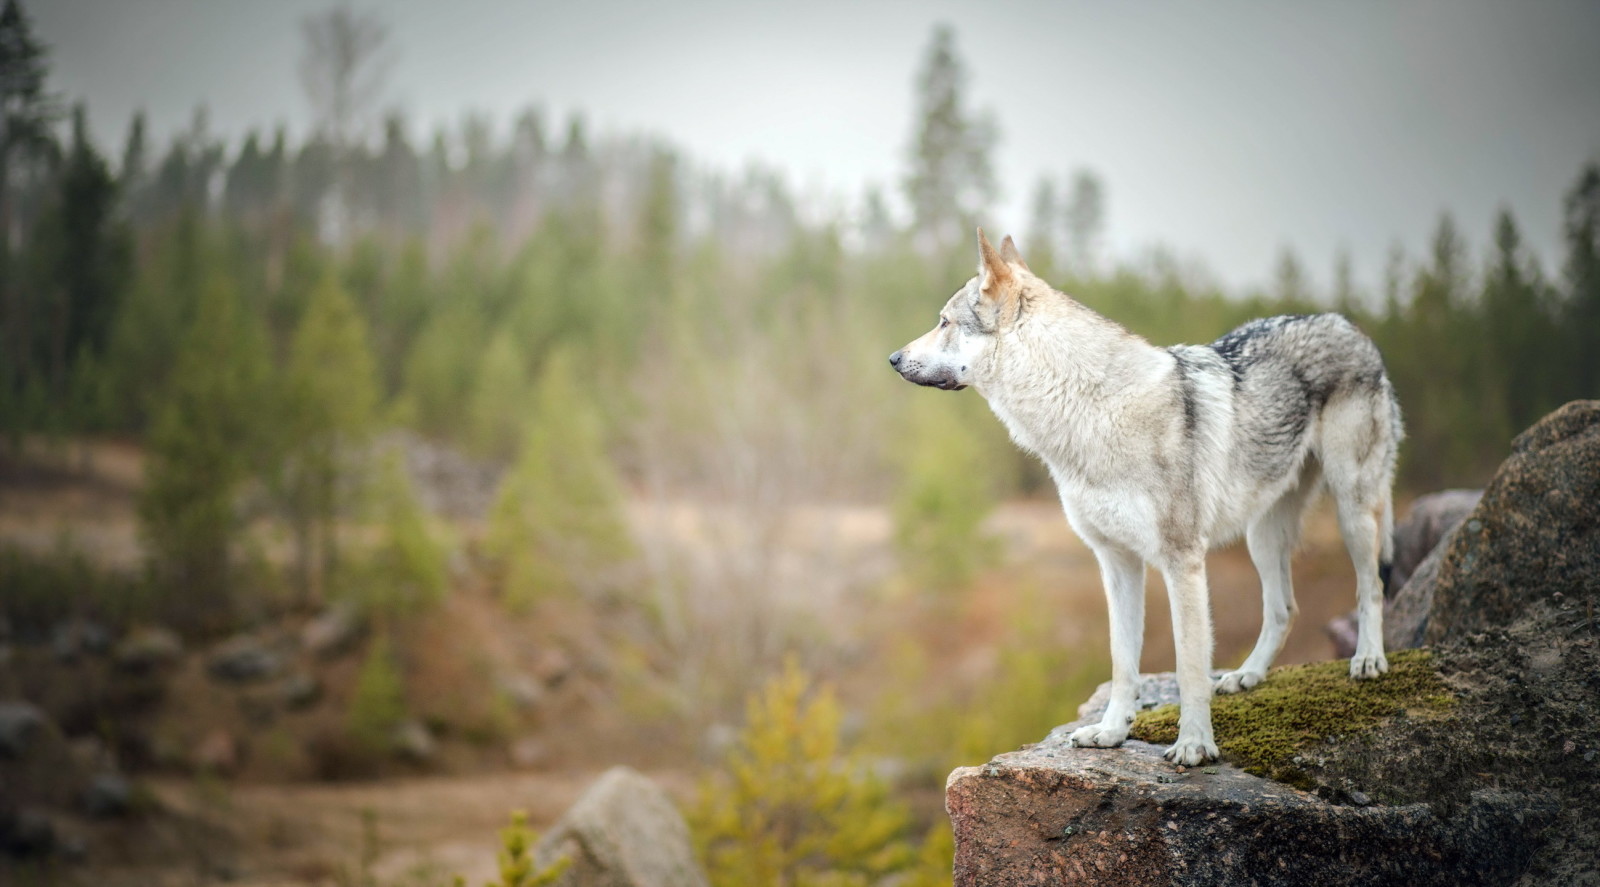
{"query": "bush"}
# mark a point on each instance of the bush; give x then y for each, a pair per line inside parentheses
(379, 703)
(407, 572)
(946, 492)
(790, 808)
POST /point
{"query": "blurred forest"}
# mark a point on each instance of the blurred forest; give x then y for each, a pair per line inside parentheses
(609, 328)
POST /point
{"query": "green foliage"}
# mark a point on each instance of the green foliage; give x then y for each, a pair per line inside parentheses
(952, 178)
(206, 443)
(1297, 706)
(406, 573)
(329, 411)
(378, 704)
(45, 588)
(517, 866)
(793, 808)
(557, 523)
(501, 398)
(947, 492)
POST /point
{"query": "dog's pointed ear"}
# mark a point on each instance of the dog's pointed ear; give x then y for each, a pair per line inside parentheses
(993, 271)
(1010, 253)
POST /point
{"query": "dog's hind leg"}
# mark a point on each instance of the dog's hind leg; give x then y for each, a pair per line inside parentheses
(1122, 572)
(1358, 444)
(1185, 575)
(1272, 540)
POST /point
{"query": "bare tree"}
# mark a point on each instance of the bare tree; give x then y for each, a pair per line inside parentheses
(343, 68)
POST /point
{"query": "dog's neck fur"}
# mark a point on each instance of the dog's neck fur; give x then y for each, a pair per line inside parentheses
(1081, 371)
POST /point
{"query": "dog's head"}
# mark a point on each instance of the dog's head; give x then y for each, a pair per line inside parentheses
(947, 355)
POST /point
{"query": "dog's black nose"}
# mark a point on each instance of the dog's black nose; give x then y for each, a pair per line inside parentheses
(894, 359)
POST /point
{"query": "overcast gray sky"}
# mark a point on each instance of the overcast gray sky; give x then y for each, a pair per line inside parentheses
(1223, 130)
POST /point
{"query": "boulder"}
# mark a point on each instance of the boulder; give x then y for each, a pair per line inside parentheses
(1056, 814)
(147, 648)
(21, 724)
(78, 637)
(412, 741)
(26, 833)
(1427, 524)
(623, 832)
(1535, 536)
(300, 690)
(242, 659)
(333, 631)
(108, 794)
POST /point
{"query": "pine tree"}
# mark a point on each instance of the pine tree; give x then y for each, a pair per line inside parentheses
(1042, 228)
(557, 523)
(1582, 314)
(203, 447)
(501, 399)
(1086, 221)
(407, 572)
(27, 113)
(1517, 331)
(378, 704)
(792, 808)
(952, 178)
(87, 252)
(330, 407)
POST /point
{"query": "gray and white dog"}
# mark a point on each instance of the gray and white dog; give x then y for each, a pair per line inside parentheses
(1160, 454)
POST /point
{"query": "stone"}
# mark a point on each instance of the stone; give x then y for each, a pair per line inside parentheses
(623, 832)
(242, 659)
(1535, 534)
(1405, 616)
(333, 631)
(26, 833)
(21, 724)
(1429, 520)
(78, 637)
(1053, 814)
(523, 692)
(412, 741)
(300, 690)
(147, 648)
(108, 794)
(528, 753)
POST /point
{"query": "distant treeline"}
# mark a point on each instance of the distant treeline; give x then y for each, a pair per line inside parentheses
(471, 260)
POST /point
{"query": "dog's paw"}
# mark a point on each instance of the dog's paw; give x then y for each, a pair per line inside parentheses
(1191, 751)
(1099, 736)
(1363, 667)
(1238, 681)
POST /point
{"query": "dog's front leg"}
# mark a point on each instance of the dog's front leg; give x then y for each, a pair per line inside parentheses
(1185, 575)
(1122, 573)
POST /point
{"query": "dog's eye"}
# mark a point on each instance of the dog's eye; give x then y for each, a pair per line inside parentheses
(944, 322)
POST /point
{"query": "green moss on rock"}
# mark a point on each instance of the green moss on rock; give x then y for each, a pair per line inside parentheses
(1299, 706)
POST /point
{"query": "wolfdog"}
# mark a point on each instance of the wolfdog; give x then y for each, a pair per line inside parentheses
(1160, 454)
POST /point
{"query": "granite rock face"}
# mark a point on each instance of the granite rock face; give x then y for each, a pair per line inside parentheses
(1535, 536)
(1056, 814)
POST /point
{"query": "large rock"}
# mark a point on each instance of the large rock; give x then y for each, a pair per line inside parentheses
(147, 648)
(1428, 522)
(1534, 537)
(21, 723)
(623, 832)
(244, 658)
(1056, 814)
(333, 631)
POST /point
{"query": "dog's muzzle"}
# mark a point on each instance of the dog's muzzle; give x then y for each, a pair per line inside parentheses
(946, 383)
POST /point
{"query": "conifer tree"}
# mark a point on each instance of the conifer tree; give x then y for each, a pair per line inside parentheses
(378, 704)
(501, 398)
(1086, 221)
(952, 177)
(792, 807)
(557, 523)
(330, 407)
(407, 573)
(203, 447)
(1582, 315)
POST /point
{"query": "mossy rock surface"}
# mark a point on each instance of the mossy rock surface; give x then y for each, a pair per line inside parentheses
(1299, 707)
